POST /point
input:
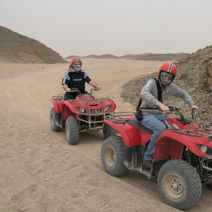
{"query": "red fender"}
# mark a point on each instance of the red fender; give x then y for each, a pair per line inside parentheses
(58, 104)
(130, 135)
(172, 144)
(68, 110)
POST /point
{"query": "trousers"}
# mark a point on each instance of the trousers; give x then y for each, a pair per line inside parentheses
(155, 123)
(69, 95)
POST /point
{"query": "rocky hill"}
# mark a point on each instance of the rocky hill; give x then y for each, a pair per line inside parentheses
(194, 75)
(162, 57)
(17, 48)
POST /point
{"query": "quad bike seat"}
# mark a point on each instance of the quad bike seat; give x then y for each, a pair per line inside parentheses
(139, 126)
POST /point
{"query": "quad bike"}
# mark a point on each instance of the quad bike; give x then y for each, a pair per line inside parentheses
(84, 113)
(182, 160)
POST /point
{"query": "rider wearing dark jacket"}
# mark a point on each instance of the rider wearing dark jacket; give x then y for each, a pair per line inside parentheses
(75, 77)
(152, 117)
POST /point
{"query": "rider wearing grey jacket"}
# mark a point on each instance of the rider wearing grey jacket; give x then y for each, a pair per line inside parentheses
(149, 95)
(151, 103)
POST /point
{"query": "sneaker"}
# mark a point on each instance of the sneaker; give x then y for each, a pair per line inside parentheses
(148, 163)
(127, 164)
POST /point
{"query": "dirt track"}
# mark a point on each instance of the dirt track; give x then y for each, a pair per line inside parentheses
(40, 171)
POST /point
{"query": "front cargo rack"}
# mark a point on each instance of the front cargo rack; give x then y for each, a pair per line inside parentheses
(89, 100)
(201, 132)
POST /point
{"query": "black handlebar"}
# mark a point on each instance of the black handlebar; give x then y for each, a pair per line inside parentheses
(174, 109)
(73, 90)
(184, 120)
(193, 113)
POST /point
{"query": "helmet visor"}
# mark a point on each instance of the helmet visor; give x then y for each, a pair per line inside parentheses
(166, 78)
(77, 66)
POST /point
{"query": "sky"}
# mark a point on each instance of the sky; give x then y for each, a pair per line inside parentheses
(118, 27)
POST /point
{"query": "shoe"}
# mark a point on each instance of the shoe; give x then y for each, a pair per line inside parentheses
(148, 163)
(127, 164)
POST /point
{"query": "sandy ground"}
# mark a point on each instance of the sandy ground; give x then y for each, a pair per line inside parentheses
(40, 171)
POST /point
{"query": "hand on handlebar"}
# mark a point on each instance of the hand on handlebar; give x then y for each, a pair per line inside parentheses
(72, 90)
(75, 90)
(97, 88)
(68, 89)
(194, 107)
(164, 108)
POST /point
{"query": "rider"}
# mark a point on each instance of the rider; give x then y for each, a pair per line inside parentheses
(152, 100)
(75, 77)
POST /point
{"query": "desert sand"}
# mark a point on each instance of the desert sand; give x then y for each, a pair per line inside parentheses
(41, 172)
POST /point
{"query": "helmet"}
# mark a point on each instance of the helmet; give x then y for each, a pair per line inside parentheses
(167, 73)
(76, 64)
(75, 60)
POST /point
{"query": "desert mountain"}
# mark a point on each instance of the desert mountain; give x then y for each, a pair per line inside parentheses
(17, 48)
(145, 56)
(194, 76)
(104, 56)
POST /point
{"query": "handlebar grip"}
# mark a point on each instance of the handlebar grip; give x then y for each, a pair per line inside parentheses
(193, 110)
(75, 90)
(171, 108)
(174, 109)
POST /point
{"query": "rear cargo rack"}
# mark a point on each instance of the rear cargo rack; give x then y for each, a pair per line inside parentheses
(58, 97)
(120, 117)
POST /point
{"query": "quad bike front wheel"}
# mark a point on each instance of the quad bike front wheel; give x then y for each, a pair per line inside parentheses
(179, 184)
(72, 130)
(53, 119)
(112, 155)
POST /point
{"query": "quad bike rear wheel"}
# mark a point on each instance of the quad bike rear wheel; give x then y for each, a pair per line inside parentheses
(179, 184)
(112, 155)
(53, 119)
(72, 130)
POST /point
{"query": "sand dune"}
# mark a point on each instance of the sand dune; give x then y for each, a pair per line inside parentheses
(40, 171)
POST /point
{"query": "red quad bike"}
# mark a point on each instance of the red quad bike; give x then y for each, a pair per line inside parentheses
(84, 113)
(182, 159)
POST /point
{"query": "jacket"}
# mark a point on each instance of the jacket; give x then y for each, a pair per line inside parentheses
(149, 96)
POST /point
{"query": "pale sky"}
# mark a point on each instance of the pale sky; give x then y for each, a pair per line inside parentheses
(118, 27)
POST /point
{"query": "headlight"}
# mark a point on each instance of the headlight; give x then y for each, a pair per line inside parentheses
(108, 108)
(81, 109)
(203, 149)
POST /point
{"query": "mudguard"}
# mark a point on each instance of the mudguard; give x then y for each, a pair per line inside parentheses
(69, 110)
(58, 105)
(130, 134)
(171, 144)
